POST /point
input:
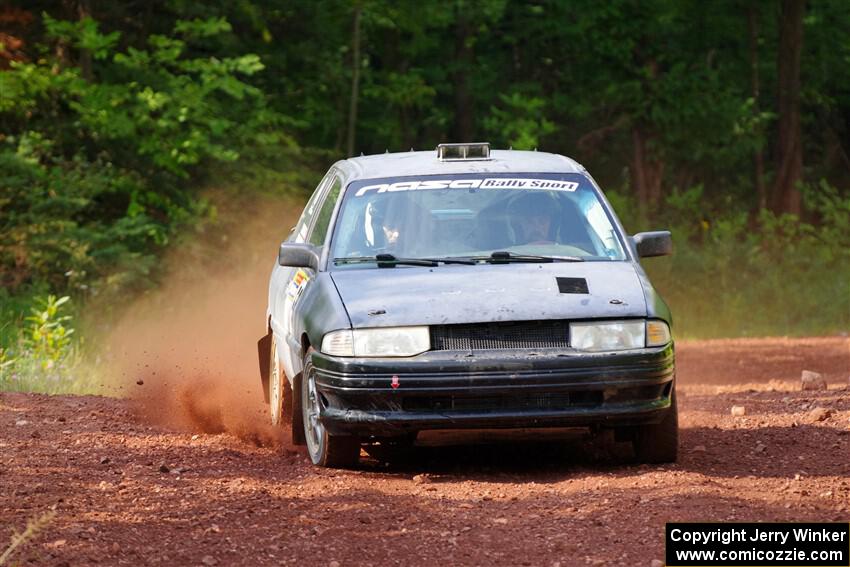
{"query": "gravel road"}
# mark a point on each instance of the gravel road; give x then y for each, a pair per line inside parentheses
(131, 491)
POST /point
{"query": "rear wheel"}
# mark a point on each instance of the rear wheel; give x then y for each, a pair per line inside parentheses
(325, 450)
(284, 406)
(659, 442)
(276, 386)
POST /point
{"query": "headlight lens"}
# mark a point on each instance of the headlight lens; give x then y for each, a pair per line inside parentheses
(610, 335)
(657, 333)
(389, 341)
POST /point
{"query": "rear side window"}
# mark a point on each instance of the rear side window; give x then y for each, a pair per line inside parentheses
(323, 220)
(300, 230)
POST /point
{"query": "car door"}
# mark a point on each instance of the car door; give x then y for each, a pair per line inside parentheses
(298, 280)
(280, 305)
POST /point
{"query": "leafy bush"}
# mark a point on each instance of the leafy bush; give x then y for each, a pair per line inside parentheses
(736, 275)
(521, 123)
(48, 336)
(97, 171)
(43, 357)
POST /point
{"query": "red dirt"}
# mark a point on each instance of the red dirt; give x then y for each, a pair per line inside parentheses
(228, 501)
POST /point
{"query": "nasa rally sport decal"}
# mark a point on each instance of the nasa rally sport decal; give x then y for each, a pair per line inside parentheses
(490, 183)
(299, 280)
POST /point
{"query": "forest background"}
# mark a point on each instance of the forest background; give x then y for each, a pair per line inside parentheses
(128, 129)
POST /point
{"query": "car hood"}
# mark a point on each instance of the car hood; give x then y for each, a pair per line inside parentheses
(484, 293)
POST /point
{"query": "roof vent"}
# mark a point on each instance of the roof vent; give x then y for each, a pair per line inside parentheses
(463, 152)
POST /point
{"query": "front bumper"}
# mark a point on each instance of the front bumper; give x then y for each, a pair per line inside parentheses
(494, 389)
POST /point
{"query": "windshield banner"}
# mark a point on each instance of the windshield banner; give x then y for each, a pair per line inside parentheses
(490, 183)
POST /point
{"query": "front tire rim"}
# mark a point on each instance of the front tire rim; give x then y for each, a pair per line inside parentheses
(275, 394)
(312, 424)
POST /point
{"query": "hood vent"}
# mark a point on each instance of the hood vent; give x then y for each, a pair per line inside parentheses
(572, 285)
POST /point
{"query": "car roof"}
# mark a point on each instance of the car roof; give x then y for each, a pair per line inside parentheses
(404, 164)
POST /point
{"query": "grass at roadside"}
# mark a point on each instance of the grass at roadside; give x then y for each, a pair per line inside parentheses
(740, 275)
(34, 526)
(40, 351)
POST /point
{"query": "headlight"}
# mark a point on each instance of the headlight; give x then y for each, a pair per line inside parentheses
(389, 341)
(610, 335)
(618, 335)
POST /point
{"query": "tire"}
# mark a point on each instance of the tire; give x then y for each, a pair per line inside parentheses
(659, 443)
(296, 416)
(325, 450)
(284, 407)
(276, 386)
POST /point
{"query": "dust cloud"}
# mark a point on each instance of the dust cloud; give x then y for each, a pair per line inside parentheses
(187, 351)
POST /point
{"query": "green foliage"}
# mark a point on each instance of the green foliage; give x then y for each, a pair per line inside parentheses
(41, 353)
(82, 34)
(95, 172)
(48, 337)
(735, 276)
(521, 122)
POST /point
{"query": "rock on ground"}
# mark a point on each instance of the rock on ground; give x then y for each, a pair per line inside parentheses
(812, 381)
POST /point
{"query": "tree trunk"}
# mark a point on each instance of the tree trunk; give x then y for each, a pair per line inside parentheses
(355, 80)
(647, 171)
(786, 193)
(758, 155)
(83, 12)
(464, 125)
(647, 167)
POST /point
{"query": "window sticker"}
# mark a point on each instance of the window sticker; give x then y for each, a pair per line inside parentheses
(490, 183)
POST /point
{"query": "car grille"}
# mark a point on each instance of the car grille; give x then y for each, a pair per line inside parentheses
(546, 401)
(511, 335)
(532, 401)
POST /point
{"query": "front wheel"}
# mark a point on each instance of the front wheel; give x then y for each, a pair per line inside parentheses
(659, 443)
(325, 450)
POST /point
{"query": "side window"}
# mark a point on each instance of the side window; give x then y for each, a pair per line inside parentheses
(300, 230)
(323, 220)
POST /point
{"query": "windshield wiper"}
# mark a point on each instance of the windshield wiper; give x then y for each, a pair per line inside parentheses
(386, 261)
(390, 259)
(505, 257)
(498, 257)
(453, 260)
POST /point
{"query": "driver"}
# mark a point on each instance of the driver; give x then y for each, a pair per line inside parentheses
(381, 230)
(532, 218)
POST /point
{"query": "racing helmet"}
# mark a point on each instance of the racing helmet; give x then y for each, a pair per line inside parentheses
(534, 205)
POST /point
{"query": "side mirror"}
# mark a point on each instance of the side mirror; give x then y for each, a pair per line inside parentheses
(295, 255)
(656, 243)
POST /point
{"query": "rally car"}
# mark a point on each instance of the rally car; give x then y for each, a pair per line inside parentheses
(465, 288)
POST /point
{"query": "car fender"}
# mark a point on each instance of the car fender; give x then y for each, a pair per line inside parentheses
(315, 310)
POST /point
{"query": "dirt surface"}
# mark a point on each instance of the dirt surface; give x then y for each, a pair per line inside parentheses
(127, 492)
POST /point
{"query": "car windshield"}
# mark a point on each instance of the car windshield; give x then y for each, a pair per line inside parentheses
(473, 216)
